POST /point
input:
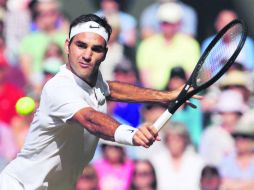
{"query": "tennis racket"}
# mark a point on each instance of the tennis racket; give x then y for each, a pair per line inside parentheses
(217, 58)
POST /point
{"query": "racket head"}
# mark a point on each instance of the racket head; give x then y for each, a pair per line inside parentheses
(212, 63)
(219, 55)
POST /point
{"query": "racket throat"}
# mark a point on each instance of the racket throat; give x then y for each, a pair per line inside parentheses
(173, 106)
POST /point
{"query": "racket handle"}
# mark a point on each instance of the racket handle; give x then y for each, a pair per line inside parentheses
(158, 124)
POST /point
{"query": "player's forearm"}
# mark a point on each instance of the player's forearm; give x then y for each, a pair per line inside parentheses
(130, 93)
(106, 127)
(97, 123)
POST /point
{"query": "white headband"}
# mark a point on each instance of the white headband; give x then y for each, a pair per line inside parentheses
(90, 26)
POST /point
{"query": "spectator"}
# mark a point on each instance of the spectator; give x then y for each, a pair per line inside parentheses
(54, 50)
(173, 165)
(88, 180)
(237, 66)
(210, 178)
(115, 168)
(20, 126)
(13, 70)
(16, 26)
(8, 148)
(51, 62)
(239, 81)
(124, 72)
(144, 177)
(51, 66)
(150, 112)
(228, 111)
(157, 55)
(115, 48)
(246, 56)
(3, 7)
(9, 93)
(237, 169)
(190, 117)
(234, 79)
(45, 13)
(128, 23)
(30, 57)
(150, 24)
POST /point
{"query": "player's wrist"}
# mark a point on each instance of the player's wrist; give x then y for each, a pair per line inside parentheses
(124, 134)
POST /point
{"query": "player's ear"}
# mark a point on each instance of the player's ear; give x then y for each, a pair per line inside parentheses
(105, 53)
(66, 46)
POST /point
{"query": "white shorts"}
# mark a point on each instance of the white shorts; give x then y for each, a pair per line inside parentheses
(9, 183)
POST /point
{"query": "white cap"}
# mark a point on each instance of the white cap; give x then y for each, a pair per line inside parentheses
(244, 128)
(170, 12)
(230, 101)
(235, 78)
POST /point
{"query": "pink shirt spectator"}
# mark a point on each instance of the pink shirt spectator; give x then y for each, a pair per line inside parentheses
(8, 148)
(114, 178)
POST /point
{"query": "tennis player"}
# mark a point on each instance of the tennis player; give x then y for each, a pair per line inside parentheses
(72, 115)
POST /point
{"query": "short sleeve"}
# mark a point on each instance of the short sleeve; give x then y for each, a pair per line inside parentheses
(63, 101)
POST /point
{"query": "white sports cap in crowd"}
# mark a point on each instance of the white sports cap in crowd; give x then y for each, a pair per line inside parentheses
(230, 101)
(170, 12)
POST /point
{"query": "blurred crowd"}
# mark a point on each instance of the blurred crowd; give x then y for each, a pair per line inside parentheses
(208, 148)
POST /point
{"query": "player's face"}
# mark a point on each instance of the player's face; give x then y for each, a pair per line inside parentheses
(85, 54)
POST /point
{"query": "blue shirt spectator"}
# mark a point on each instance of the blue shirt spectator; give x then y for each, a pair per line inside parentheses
(128, 22)
(149, 23)
(246, 56)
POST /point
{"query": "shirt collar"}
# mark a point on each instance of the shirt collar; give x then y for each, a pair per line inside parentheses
(78, 80)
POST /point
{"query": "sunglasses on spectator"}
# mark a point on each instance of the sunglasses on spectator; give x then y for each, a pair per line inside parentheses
(47, 13)
(243, 136)
(90, 176)
(143, 173)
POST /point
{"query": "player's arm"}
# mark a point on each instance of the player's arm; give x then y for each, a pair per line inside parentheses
(120, 91)
(124, 92)
(108, 128)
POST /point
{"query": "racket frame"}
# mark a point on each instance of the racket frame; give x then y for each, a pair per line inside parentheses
(185, 94)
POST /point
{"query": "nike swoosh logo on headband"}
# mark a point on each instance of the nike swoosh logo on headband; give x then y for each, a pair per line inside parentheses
(91, 26)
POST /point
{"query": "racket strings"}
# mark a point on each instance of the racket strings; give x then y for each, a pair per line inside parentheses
(220, 54)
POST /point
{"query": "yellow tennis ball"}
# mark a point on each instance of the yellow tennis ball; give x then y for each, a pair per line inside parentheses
(25, 105)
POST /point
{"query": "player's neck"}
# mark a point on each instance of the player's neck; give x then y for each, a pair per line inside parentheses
(91, 81)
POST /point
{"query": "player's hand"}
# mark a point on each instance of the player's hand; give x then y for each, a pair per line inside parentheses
(177, 92)
(145, 135)
(189, 103)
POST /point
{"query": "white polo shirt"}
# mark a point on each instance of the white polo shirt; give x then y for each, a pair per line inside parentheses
(57, 149)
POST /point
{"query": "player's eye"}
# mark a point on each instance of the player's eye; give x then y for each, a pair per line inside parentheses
(98, 49)
(81, 44)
